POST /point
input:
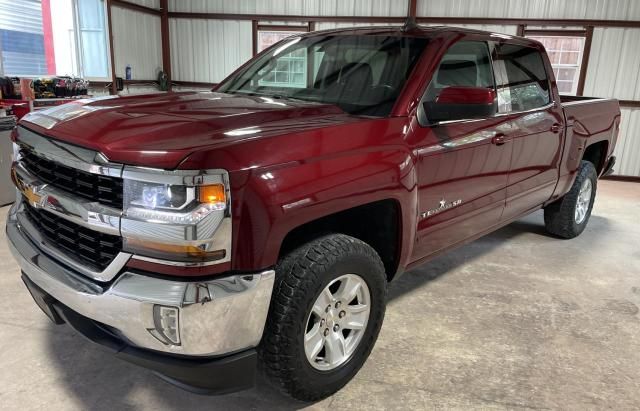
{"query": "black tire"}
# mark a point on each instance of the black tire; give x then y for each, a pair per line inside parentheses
(559, 216)
(300, 277)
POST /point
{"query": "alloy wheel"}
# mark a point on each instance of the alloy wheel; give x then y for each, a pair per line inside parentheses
(337, 322)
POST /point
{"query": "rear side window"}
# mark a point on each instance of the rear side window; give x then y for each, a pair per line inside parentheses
(522, 81)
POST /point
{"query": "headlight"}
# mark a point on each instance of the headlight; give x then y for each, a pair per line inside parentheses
(176, 216)
(177, 204)
(159, 196)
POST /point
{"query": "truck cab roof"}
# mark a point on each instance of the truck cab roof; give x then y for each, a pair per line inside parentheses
(424, 32)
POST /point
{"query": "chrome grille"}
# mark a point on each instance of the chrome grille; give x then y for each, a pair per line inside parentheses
(103, 189)
(88, 247)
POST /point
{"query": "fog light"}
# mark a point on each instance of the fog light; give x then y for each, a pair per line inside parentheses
(167, 323)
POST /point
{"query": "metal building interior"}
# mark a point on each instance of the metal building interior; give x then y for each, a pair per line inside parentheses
(516, 319)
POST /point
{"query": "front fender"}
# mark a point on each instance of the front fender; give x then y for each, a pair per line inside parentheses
(275, 200)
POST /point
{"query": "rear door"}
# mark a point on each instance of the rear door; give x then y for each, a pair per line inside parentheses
(462, 172)
(533, 125)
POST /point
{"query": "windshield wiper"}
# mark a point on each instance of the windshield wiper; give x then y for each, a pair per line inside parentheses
(285, 97)
(274, 96)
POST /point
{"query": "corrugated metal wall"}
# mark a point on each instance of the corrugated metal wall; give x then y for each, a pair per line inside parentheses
(295, 7)
(628, 147)
(614, 64)
(543, 9)
(155, 4)
(208, 50)
(331, 25)
(136, 41)
(614, 71)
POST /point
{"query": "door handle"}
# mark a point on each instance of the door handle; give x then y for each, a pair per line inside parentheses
(555, 128)
(499, 139)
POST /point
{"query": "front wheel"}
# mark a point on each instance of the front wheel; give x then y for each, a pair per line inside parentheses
(568, 217)
(325, 315)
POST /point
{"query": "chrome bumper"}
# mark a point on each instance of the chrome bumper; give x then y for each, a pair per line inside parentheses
(215, 317)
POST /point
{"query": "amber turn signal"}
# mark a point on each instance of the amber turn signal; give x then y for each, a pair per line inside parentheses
(212, 194)
(177, 252)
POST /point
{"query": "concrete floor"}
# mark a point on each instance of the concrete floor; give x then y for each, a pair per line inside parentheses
(515, 320)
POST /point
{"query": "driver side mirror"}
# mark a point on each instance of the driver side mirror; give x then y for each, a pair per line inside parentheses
(461, 102)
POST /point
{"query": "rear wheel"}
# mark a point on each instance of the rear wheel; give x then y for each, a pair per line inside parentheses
(325, 315)
(568, 217)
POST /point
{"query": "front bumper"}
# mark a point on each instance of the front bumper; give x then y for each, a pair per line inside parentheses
(202, 375)
(215, 317)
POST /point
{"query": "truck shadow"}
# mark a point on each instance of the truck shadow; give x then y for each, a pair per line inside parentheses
(98, 382)
(446, 263)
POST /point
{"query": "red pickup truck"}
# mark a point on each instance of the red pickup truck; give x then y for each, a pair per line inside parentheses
(202, 234)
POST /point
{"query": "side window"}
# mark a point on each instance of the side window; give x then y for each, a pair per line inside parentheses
(466, 70)
(522, 81)
(466, 63)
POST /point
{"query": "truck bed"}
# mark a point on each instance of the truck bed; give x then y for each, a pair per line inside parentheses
(592, 117)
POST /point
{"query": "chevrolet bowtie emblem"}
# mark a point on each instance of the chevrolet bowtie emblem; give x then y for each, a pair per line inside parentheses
(443, 206)
(26, 189)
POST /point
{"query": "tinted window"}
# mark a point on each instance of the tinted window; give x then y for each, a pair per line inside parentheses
(360, 74)
(465, 64)
(522, 83)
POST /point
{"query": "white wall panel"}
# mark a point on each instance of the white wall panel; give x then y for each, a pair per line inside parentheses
(154, 4)
(295, 7)
(136, 41)
(346, 25)
(628, 147)
(614, 71)
(614, 64)
(548, 9)
(503, 29)
(208, 50)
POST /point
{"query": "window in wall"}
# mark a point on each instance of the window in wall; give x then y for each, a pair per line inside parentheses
(268, 37)
(565, 54)
(54, 37)
(521, 79)
(92, 38)
(290, 69)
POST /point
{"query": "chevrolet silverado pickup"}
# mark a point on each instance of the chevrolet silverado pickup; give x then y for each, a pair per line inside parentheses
(209, 235)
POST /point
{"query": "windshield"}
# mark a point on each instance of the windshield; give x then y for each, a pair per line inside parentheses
(361, 74)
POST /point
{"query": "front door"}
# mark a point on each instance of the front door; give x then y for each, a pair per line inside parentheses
(462, 164)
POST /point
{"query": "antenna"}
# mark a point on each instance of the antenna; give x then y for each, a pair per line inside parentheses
(410, 24)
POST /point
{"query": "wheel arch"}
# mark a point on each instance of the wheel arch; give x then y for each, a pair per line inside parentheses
(596, 153)
(378, 223)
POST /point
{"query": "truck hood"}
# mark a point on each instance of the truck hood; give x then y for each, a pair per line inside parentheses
(160, 130)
